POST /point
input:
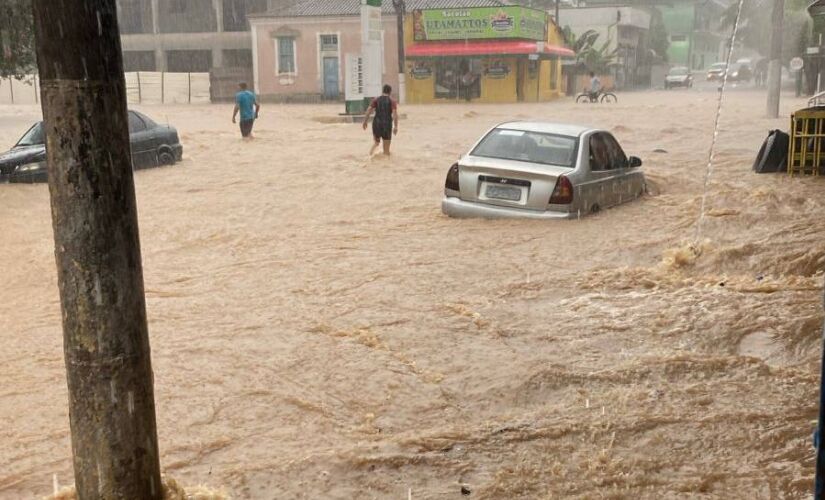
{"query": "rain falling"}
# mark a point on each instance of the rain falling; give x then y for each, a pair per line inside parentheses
(414, 249)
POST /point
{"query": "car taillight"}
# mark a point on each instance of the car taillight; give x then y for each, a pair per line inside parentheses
(563, 193)
(452, 178)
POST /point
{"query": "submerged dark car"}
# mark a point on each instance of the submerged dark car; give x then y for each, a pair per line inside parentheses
(152, 145)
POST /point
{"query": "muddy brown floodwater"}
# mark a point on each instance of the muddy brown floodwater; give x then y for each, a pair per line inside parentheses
(320, 330)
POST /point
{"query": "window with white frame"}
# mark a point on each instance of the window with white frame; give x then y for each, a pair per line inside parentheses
(286, 55)
(329, 43)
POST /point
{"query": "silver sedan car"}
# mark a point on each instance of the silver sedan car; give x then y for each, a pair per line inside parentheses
(542, 170)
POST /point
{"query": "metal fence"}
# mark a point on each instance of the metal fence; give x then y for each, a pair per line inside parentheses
(144, 87)
(25, 91)
(150, 87)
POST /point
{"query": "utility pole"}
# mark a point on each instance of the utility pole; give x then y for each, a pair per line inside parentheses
(400, 11)
(557, 14)
(97, 249)
(775, 64)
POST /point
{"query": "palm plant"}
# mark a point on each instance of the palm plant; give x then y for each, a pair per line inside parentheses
(597, 58)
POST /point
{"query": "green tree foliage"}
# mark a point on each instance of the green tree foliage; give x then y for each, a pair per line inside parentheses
(755, 26)
(16, 38)
(595, 57)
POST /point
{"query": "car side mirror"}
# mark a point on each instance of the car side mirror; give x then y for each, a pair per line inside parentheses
(634, 161)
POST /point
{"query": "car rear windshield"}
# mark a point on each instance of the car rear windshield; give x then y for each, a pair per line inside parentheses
(678, 71)
(33, 137)
(533, 147)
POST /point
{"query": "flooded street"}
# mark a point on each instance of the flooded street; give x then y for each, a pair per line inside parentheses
(321, 331)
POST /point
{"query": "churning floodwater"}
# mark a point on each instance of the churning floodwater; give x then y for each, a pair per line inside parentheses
(320, 330)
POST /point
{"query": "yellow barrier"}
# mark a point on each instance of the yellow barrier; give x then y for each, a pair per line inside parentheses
(806, 151)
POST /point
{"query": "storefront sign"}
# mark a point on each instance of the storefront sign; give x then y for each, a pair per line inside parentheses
(354, 78)
(421, 71)
(480, 23)
(497, 70)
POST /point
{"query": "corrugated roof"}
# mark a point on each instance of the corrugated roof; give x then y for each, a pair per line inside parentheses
(308, 8)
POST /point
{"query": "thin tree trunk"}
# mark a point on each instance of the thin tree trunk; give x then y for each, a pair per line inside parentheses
(775, 64)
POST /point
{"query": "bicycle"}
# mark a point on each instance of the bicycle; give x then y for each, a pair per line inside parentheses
(600, 96)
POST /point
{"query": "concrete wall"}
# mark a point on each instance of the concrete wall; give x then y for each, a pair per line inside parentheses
(25, 91)
(603, 20)
(604, 16)
(142, 87)
(161, 43)
(198, 27)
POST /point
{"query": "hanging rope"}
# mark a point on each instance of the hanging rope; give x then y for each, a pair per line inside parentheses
(819, 475)
(712, 151)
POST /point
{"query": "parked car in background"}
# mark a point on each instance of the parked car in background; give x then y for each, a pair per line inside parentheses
(543, 171)
(678, 76)
(716, 71)
(152, 145)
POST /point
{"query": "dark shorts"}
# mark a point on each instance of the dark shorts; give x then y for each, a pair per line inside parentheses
(382, 131)
(246, 127)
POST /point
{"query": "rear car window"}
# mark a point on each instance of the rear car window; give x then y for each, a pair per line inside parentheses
(34, 136)
(533, 147)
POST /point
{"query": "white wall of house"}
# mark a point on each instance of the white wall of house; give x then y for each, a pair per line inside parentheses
(604, 21)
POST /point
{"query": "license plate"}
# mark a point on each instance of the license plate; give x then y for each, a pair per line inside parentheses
(508, 193)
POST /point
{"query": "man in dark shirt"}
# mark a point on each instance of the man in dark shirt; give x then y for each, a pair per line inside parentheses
(385, 124)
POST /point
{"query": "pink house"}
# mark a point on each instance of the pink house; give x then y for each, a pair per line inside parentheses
(299, 52)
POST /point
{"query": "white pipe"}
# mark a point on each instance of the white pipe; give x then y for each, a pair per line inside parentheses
(402, 88)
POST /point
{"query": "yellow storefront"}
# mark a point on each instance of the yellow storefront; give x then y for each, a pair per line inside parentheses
(485, 54)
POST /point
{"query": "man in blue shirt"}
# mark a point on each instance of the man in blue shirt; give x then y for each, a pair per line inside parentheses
(247, 104)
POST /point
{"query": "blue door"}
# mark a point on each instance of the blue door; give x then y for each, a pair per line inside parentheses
(331, 78)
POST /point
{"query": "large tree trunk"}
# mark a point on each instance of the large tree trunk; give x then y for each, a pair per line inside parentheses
(106, 344)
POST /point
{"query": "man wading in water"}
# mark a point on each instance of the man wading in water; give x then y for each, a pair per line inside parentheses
(247, 104)
(385, 123)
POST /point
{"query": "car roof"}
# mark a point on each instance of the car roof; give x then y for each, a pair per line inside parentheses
(129, 111)
(546, 127)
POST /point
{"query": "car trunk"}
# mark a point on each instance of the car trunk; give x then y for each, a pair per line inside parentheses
(508, 183)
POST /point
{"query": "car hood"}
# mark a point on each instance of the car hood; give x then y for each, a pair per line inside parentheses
(21, 155)
(676, 78)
